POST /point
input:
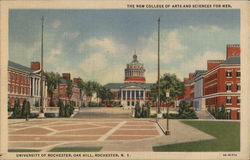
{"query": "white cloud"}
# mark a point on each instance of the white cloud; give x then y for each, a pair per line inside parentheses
(105, 45)
(54, 53)
(199, 62)
(214, 28)
(193, 28)
(70, 35)
(94, 63)
(34, 49)
(171, 47)
(56, 24)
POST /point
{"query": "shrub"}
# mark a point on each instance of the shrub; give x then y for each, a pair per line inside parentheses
(218, 112)
(26, 109)
(93, 104)
(9, 107)
(16, 110)
(61, 108)
(137, 110)
(185, 112)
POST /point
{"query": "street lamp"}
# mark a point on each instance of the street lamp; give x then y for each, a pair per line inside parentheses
(167, 96)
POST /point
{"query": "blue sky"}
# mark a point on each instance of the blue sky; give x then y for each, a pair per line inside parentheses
(97, 44)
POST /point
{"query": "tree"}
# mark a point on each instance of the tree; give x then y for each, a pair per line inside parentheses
(52, 80)
(69, 89)
(26, 109)
(61, 108)
(137, 110)
(171, 82)
(17, 109)
(9, 107)
(186, 111)
(105, 94)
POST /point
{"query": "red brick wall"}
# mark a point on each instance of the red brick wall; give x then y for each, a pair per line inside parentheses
(66, 76)
(212, 64)
(35, 65)
(233, 50)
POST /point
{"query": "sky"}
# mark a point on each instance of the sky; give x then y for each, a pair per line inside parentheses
(97, 44)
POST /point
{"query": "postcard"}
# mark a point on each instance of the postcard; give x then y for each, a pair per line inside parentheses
(124, 80)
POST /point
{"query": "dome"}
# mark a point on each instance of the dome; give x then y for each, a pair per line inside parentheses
(134, 73)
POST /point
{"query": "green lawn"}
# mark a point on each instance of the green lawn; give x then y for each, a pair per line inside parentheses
(76, 149)
(24, 150)
(227, 138)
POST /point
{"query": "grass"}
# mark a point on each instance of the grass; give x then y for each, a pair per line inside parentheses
(76, 149)
(227, 136)
(24, 150)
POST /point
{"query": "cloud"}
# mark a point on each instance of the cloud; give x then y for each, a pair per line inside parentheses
(106, 45)
(54, 53)
(193, 28)
(199, 62)
(56, 24)
(214, 28)
(94, 63)
(70, 35)
(171, 47)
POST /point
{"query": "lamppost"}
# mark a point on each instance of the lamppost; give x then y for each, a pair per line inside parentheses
(167, 96)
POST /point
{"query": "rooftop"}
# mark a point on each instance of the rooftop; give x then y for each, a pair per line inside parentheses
(19, 66)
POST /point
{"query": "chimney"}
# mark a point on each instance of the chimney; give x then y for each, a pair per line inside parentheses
(233, 50)
(35, 66)
(191, 75)
(66, 76)
(76, 79)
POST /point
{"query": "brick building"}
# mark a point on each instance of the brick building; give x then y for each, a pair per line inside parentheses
(220, 84)
(61, 91)
(24, 83)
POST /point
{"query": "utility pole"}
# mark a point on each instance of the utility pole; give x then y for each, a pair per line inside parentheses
(158, 103)
(41, 113)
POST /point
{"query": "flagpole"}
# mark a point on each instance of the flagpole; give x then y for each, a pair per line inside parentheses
(41, 113)
(158, 103)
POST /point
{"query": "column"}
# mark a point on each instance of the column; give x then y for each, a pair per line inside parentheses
(126, 95)
(39, 87)
(33, 86)
(144, 95)
(121, 95)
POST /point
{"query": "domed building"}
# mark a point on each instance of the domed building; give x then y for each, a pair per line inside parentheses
(134, 73)
(134, 89)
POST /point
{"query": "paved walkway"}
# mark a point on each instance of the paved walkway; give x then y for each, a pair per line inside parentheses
(111, 134)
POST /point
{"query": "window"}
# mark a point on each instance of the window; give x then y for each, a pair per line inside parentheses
(238, 100)
(228, 86)
(128, 94)
(133, 103)
(133, 95)
(128, 103)
(229, 100)
(229, 73)
(238, 86)
(8, 87)
(142, 94)
(238, 114)
(228, 114)
(137, 94)
(237, 73)
(124, 94)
